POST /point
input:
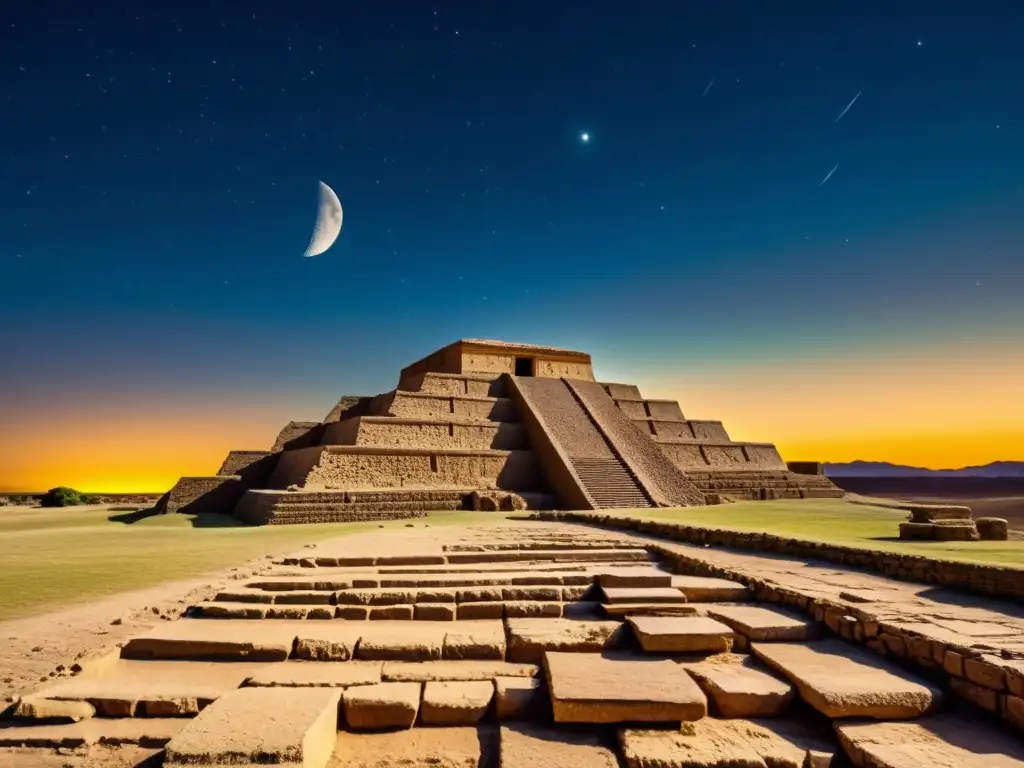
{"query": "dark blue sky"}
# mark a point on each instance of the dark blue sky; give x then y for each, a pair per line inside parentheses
(158, 170)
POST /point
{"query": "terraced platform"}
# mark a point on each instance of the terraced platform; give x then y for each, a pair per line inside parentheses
(513, 644)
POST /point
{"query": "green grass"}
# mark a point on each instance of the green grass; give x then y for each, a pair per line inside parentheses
(52, 558)
(837, 522)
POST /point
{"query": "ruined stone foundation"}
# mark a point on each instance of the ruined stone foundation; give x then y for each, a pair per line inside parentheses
(492, 426)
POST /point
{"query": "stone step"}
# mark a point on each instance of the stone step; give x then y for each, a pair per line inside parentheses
(943, 740)
(427, 671)
(139, 698)
(297, 726)
(214, 640)
(591, 688)
(713, 743)
(530, 638)
(380, 706)
(453, 747)
(304, 674)
(737, 687)
(151, 733)
(842, 680)
(681, 634)
(646, 595)
(455, 702)
(576, 554)
(435, 611)
(621, 610)
(334, 579)
(757, 622)
(528, 746)
(701, 589)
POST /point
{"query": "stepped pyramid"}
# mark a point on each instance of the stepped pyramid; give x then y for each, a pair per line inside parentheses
(493, 425)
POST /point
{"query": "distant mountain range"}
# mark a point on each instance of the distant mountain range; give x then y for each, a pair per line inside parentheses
(885, 469)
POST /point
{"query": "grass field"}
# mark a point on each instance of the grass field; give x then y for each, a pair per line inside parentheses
(51, 558)
(838, 522)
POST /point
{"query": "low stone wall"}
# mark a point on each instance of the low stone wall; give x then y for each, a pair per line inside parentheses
(992, 683)
(990, 580)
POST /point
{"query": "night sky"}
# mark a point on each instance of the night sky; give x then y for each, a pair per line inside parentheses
(158, 186)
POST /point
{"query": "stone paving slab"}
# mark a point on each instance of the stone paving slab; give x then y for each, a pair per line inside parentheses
(221, 640)
(843, 680)
(634, 577)
(422, 672)
(385, 705)
(527, 746)
(713, 743)
(455, 702)
(739, 688)
(590, 688)
(260, 725)
(681, 634)
(944, 741)
(303, 674)
(528, 639)
(702, 589)
(436, 747)
(757, 622)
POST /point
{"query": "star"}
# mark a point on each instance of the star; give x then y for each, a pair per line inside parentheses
(585, 137)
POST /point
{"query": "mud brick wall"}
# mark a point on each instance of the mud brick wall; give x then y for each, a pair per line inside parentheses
(986, 680)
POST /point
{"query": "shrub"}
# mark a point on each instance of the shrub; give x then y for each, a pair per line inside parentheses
(64, 497)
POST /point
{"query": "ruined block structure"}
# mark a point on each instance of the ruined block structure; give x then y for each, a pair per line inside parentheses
(493, 425)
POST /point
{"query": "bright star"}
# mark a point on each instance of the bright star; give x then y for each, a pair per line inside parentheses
(584, 137)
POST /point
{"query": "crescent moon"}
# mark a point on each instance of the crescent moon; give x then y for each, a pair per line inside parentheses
(328, 222)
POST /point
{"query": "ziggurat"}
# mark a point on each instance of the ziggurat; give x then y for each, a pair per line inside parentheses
(494, 425)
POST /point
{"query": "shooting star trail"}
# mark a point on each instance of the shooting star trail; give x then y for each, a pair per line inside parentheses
(852, 102)
(708, 87)
(829, 176)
